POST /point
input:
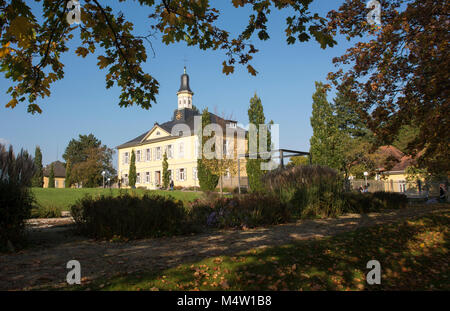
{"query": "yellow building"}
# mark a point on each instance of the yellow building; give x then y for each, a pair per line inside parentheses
(178, 139)
(59, 171)
(395, 177)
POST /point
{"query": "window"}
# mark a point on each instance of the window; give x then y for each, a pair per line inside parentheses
(126, 157)
(170, 151)
(138, 178)
(402, 186)
(147, 177)
(56, 184)
(182, 175)
(158, 133)
(158, 153)
(181, 150)
(138, 156)
(148, 154)
(125, 179)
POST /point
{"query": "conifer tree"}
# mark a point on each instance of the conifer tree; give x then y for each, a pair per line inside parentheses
(166, 173)
(253, 166)
(132, 171)
(51, 177)
(38, 178)
(68, 182)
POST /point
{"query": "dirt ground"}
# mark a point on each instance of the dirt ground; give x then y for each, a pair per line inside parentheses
(53, 243)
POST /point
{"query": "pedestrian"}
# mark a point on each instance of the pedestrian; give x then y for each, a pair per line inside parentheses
(442, 193)
(171, 185)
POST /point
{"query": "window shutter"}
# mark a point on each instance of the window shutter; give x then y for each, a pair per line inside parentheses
(185, 174)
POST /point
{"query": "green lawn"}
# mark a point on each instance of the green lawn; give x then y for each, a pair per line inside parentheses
(64, 198)
(413, 256)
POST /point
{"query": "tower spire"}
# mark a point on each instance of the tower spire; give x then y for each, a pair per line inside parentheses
(185, 93)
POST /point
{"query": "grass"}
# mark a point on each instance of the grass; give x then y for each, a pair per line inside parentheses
(63, 198)
(413, 256)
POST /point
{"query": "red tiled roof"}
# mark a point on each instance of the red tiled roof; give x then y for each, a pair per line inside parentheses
(399, 160)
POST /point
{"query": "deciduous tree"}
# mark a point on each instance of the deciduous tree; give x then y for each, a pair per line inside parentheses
(32, 48)
(87, 151)
(207, 180)
(399, 73)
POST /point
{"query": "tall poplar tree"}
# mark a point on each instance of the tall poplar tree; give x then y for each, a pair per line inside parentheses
(253, 166)
(325, 142)
(38, 178)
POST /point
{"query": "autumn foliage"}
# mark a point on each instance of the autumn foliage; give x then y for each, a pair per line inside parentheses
(398, 75)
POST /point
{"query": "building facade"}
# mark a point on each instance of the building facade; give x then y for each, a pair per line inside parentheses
(177, 138)
(59, 173)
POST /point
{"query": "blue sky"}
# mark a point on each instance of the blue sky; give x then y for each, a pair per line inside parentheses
(80, 103)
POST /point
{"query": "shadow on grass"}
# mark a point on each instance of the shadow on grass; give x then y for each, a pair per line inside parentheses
(413, 256)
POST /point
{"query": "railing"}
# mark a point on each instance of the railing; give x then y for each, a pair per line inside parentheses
(411, 189)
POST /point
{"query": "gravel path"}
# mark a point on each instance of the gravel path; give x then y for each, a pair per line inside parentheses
(44, 264)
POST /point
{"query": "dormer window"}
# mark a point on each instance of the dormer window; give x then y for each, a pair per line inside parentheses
(232, 125)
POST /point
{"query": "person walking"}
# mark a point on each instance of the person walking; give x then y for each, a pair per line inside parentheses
(171, 185)
(442, 192)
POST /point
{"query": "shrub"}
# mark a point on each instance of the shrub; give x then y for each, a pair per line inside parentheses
(16, 199)
(308, 190)
(129, 217)
(45, 212)
(249, 210)
(374, 202)
(244, 190)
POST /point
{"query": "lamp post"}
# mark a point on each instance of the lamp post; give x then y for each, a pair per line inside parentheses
(103, 174)
(365, 176)
(109, 182)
